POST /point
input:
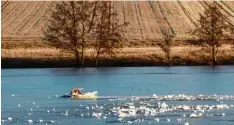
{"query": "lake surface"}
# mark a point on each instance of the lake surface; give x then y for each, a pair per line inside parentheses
(134, 95)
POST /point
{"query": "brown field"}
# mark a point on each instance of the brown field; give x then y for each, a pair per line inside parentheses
(23, 20)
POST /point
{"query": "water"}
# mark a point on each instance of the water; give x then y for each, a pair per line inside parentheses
(181, 93)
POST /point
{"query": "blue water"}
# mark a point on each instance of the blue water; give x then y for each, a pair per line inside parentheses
(37, 92)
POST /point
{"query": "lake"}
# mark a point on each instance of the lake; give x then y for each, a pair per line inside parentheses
(198, 95)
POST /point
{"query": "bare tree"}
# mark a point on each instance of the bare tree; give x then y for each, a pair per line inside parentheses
(213, 29)
(70, 25)
(108, 33)
(167, 43)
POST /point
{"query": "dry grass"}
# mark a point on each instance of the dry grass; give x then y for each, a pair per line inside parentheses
(182, 54)
(29, 43)
(43, 53)
(16, 44)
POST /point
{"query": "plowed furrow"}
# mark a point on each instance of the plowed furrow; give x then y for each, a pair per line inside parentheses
(225, 12)
(230, 8)
(225, 9)
(187, 13)
(138, 18)
(20, 29)
(165, 18)
(159, 20)
(15, 18)
(8, 10)
(203, 4)
(37, 17)
(40, 22)
(4, 4)
(146, 19)
(153, 25)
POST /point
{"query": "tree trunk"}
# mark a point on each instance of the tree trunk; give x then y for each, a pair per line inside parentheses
(82, 54)
(77, 57)
(213, 56)
(97, 56)
(96, 62)
(168, 57)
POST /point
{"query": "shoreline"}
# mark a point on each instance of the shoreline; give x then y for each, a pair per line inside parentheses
(8, 63)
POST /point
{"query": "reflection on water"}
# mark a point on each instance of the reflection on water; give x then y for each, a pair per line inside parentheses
(143, 95)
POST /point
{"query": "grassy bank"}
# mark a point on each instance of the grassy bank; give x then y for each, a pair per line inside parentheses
(47, 56)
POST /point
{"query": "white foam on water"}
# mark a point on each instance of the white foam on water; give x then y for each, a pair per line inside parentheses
(129, 122)
(97, 115)
(157, 119)
(179, 119)
(141, 108)
(193, 115)
(30, 121)
(146, 109)
(52, 121)
(173, 97)
(186, 123)
(66, 113)
(9, 118)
